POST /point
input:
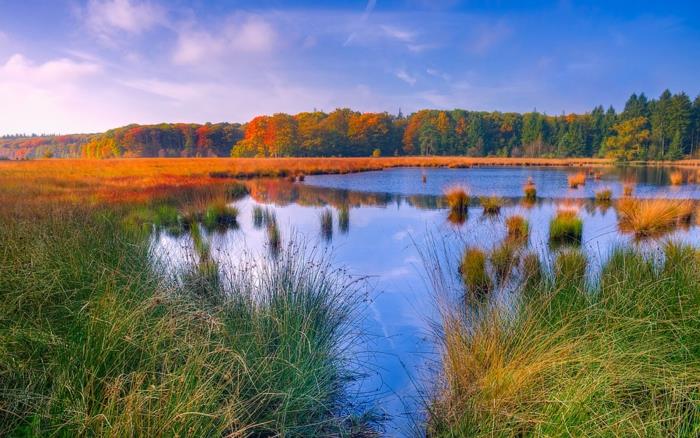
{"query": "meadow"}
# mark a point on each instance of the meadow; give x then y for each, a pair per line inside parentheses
(99, 337)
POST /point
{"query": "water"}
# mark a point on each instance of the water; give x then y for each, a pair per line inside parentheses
(392, 215)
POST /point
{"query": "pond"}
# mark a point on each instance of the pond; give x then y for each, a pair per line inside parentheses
(382, 223)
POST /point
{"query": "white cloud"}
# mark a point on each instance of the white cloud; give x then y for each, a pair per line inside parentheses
(406, 77)
(107, 18)
(398, 34)
(52, 73)
(248, 34)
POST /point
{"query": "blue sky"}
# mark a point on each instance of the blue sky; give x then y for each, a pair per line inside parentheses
(86, 66)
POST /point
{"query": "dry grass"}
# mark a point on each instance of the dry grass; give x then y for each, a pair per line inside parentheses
(676, 178)
(603, 196)
(491, 204)
(576, 180)
(518, 227)
(628, 189)
(652, 217)
(458, 200)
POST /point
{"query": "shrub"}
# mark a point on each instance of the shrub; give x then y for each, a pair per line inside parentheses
(576, 180)
(491, 204)
(473, 271)
(652, 217)
(518, 227)
(566, 227)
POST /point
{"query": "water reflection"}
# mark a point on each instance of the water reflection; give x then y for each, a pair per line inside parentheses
(390, 229)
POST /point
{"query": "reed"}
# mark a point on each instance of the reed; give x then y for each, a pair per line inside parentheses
(258, 216)
(344, 218)
(473, 271)
(576, 180)
(565, 227)
(652, 217)
(517, 227)
(220, 215)
(457, 199)
(491, 204)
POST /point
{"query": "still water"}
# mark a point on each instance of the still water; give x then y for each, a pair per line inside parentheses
(393, 215)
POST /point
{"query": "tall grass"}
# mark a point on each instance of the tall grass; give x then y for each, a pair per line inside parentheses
(676, 178)
(95, 342)
(517, 227)
(473, 271)
(326, 218)
(504, 257)
(344, 218)
(530, 190)
(622, 359)
(652, 217)
(458, 200)
(603, 196)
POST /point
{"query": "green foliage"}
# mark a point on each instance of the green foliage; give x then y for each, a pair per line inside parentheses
(220, 215)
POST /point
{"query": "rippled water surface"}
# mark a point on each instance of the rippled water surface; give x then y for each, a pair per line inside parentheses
(393, 216)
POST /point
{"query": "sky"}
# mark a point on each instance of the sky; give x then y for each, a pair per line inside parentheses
(70, 66)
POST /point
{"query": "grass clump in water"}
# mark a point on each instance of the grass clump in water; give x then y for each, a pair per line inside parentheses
(458, 200)
(576, 180)
(566, 227)
(472, 268)
(603, 196)
(344, 219)
(628, 190)
(676, 178)
(530, 190)
(652, 217)
(491, 204)
(220, 215)
(517, 227)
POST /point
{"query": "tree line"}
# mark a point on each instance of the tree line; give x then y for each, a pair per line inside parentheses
(667, 127)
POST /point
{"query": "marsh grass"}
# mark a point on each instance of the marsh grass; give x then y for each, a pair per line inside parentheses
(566, 227)
(220, 215)
(530, 190)
(676, 178)
(652, 217)
(95, 342)
(570, 265)
(622, 359)
(576, 180)
(457, 199)
(491, 204)
(258, 216)
(518, 228)
(504, 257)
(472, 269)
(603, 196)
(628, 190)
(237, 191)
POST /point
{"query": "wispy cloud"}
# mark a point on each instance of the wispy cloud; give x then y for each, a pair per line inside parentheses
(489, 35)
(406, 77)
(110, 19)
(240, 34)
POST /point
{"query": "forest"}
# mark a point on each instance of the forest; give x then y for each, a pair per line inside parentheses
(667, 127)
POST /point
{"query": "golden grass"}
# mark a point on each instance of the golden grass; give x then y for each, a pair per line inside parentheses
(142, 179)
(628, 189)
(576, 180)
(518, 227)
(676, 178)
(458, 200)
(491, 204)
(652, 217)
(603, 195)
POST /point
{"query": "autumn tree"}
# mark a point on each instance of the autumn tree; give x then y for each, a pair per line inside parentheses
(629, 140)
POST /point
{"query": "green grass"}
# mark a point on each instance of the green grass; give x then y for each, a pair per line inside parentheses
(344, 219)
(565, 227)
(473, 271)
(220, 215)
(95, 342)
(619, 358)
(530, 190)
(504, 258)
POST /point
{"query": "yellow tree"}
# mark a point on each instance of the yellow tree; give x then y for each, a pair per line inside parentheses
(629, 141)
